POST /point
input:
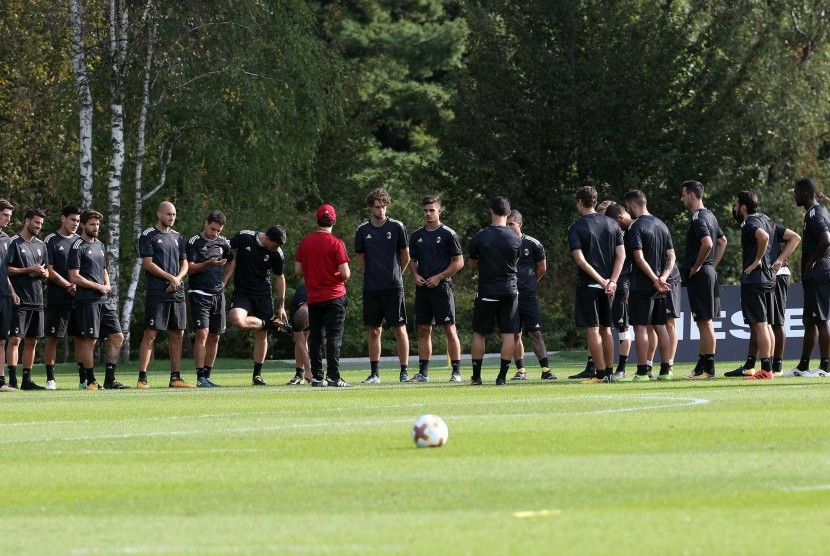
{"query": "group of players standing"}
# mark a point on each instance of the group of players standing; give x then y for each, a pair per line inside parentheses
(626, 276)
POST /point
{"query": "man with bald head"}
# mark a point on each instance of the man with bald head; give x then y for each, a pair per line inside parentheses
(164, 259)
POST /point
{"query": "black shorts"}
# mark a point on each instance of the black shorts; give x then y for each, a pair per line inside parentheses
(208, 311)
(435, 305)
(757, 305)
(60, 321)
(299, 318)
(704, 294)
(379, 307)
(619, 306)
(164, 315)
(530, 317)
(259, 306)
(593, 307)
(6, 311)
(673, 303)
(503, 311)
(97, 320)
(782, 288)
(27, 322)
(647, 307)
(817, 300)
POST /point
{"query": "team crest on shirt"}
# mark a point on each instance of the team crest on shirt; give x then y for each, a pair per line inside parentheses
(91, 331)
(438, 240)
(265, 260)
(527, 251)
(39, 253)
(388, 235)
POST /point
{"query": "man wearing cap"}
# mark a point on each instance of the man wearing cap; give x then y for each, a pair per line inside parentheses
(322, 261)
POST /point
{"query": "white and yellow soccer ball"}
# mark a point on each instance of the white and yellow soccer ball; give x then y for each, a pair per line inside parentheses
(430, 431)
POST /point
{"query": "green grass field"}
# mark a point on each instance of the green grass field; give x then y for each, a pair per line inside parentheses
(720, 467)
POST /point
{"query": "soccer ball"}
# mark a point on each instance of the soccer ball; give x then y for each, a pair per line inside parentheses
(430, 431)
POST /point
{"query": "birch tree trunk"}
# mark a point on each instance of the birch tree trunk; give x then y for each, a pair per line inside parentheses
(141, 152)
(118, 20)
(76, 10)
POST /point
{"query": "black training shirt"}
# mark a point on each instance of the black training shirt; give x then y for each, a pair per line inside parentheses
(381, 246)
(598, 237)
(434, 249)
(167, 251)
(496, 248)
(254, 264)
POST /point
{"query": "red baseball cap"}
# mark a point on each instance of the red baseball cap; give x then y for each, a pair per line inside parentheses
(326, 212)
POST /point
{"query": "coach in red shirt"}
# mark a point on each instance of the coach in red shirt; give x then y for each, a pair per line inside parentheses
(321, 258)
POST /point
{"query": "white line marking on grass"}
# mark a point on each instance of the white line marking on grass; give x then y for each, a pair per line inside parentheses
(686, 402)
(538, 513)
(235, 549)
(689, 402)
(154, 452)
(806, 488)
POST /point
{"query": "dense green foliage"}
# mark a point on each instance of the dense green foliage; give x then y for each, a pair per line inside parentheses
(531, 468)
(272, 107)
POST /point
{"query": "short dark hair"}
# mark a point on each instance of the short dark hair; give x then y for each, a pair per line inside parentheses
(5, 205)
(515, 215)
(636, 197)
(216, 216)
(69, 210)
(614, 210)
(694, 187)
(31, 213)
(587, 196)
(806, 185)
(90, 214)
(276, 234)
(431, 199)
(378, 194)
(500, 206)
(749, 200)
